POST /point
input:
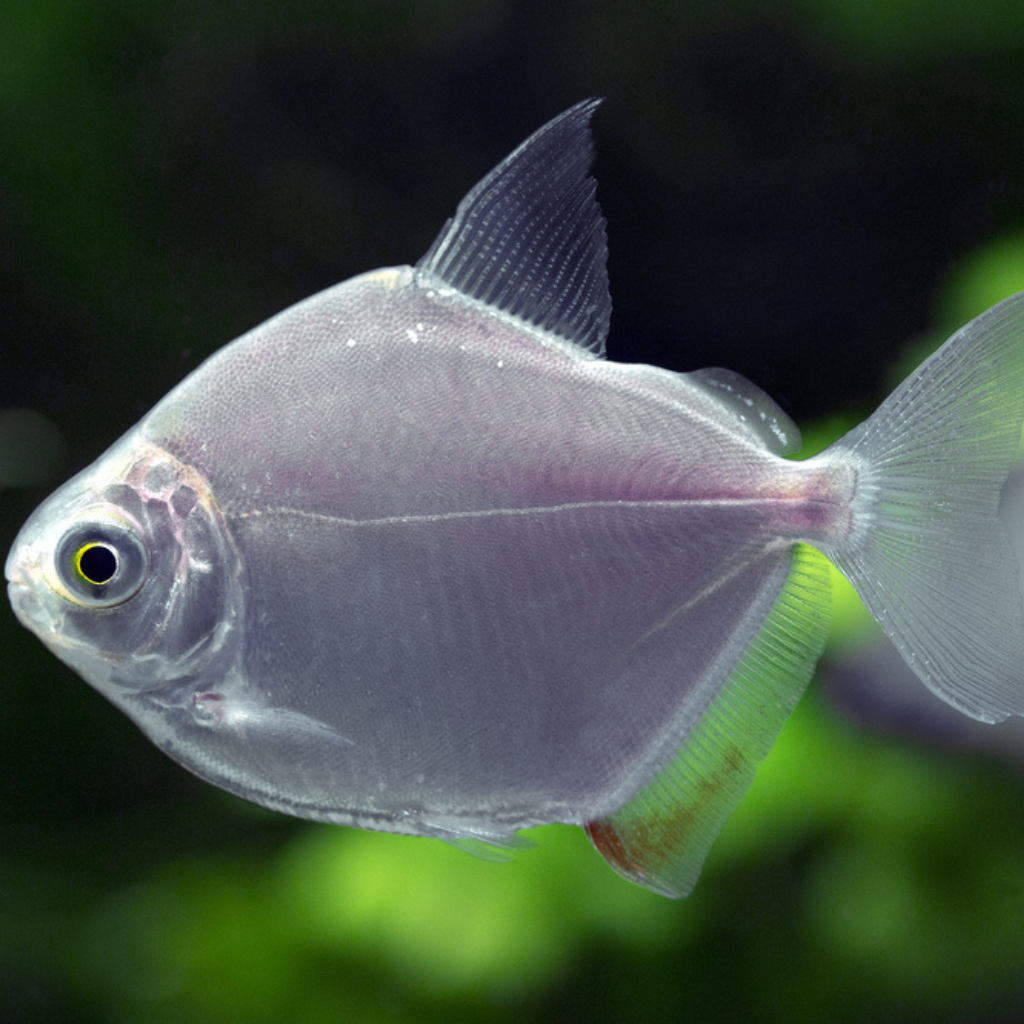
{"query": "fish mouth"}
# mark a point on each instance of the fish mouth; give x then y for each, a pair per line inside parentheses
(23, 560)
(13, 563)
(27, 606)
(21, 569)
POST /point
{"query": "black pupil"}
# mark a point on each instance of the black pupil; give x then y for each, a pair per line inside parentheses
(98, 564)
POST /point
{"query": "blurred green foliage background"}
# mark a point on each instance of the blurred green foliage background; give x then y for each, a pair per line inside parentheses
(795, 190)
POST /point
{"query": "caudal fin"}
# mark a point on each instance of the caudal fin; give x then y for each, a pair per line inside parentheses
(927, 552)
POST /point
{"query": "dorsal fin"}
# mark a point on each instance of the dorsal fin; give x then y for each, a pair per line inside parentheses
(529, 239)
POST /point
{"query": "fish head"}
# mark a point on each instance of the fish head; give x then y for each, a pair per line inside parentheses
(126, 572)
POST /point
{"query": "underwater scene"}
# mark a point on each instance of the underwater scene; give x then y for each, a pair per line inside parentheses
(815, 197)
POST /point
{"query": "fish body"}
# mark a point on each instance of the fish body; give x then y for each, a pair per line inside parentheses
(412, 556)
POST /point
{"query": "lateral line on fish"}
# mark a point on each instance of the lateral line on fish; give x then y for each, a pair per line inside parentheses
(531, 510)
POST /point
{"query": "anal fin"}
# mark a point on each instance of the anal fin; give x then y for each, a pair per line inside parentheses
(661, 836)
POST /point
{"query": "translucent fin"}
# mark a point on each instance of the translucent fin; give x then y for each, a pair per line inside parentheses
(477, 839)
(250, 718)
(928, 553)
(660, 838)
(754, 408)
(529, 239)
(493, 851)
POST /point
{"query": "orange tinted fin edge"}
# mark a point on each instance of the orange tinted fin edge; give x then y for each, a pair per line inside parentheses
(661, 836)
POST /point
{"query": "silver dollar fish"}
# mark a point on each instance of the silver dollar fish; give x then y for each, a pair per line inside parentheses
(412, 556)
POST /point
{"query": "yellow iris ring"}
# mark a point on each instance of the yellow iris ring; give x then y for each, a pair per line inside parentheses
(81, 553)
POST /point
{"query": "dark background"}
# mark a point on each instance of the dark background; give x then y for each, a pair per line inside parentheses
(793, 190)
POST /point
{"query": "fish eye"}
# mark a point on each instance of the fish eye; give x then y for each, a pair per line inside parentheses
(101, 563)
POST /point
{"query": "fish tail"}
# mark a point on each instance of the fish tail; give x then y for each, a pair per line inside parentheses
(926, 548)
